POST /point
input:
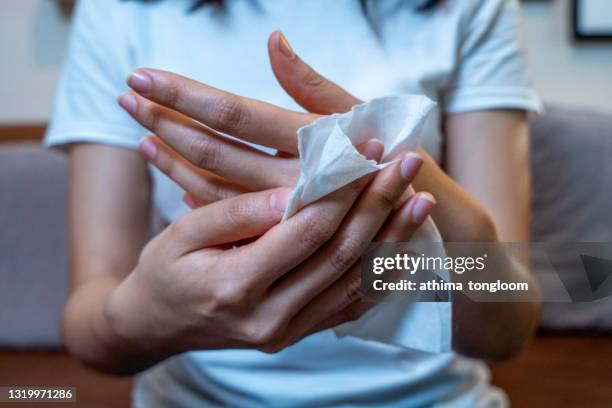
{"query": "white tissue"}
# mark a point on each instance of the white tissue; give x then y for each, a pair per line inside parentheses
(329, 161)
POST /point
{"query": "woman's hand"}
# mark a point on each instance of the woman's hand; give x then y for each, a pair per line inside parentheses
(165, 98)
(194, 289)
(188, 115)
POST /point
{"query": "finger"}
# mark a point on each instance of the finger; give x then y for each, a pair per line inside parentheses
(206, 149)
(297, 238)
(244, 216)
(248, 119)
(407, 218)
(358, 229)
(342, 301)
(203, 186)
(306, 86)
(191, 202)
(339, 304)
(350, 313)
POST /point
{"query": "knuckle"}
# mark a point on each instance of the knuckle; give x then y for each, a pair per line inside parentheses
(153, 118)
(168, 164)
(345, 254)
(313, 79)
(212, 192)
(179, 229)
(261, 334)
(239, 211)
(205, 153)
(172, 95)
(352, 289)
(384, 196)
(229, 114)
(229, 295)
(315, 230)
(354, 188)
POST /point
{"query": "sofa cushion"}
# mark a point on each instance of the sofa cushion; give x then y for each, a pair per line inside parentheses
(33, 245)
(34, 274)
(571, 157)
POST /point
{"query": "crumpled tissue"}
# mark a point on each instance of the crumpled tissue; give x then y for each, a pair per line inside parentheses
(329, 160)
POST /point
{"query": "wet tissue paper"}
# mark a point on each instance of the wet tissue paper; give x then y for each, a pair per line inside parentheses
(329, 160)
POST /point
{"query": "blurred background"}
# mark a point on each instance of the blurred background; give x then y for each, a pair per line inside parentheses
(34, 34)
(569, 45)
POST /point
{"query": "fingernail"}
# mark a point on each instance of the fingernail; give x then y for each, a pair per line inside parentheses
(140, 81)
(410, 165)
(373, 150)
(278, 200)
(422, 207)
(284, 46)
(187, 199)
(128, 102)
(148, 148)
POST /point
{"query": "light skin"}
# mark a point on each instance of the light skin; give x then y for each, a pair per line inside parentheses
(226, 275)
(107, 326)
(483, 200)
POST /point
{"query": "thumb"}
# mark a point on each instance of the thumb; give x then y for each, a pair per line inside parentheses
(306, 86)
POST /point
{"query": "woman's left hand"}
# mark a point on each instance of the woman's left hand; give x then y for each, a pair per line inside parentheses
(186, 116)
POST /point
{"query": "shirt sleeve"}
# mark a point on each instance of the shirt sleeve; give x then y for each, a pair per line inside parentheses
(98, 61)
(491, 63)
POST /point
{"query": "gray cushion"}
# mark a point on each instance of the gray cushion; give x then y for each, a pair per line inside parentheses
(34, 274)
(33, 245)
(572, 197)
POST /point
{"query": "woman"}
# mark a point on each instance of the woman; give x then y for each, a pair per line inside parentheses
(225, 283)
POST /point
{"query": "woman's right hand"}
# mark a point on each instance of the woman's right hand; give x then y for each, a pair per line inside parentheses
(194, 288)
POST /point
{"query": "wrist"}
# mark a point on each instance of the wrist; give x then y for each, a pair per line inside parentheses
(114, 323)
(482, 228)
(127, 322)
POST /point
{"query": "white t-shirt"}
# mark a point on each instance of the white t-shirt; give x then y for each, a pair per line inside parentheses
(464, 55)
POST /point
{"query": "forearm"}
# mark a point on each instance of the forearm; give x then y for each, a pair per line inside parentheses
(89, 336)
(109, 225)
(497, 330)
(488, 330)
(458, 216)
